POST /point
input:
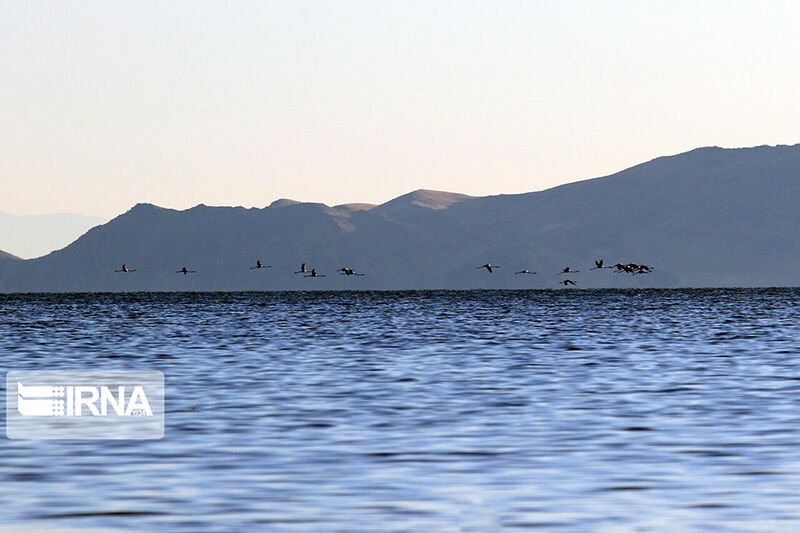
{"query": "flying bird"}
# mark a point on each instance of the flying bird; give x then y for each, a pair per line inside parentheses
(632, 268)
(526, 271)
(314, 274)
(185, 271)
(568, 271)
(259, 265)
(125, 269)
(489, 267)
(598, 264)
(302, 269)
(567, 282)
(344, 271)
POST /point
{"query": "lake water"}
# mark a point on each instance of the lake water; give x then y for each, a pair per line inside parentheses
(647, 410)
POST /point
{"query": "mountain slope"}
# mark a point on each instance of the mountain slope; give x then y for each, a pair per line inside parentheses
(709, 217)
(5, 256)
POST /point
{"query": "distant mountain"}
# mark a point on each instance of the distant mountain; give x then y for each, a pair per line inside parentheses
(283, 202)
(354, 207)
(415, 201)
(37, 235)
(5, 256)
(709, 217)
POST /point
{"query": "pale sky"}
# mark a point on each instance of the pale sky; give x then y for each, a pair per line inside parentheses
(106, 104)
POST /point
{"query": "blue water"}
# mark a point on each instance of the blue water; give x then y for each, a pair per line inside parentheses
(647, 410)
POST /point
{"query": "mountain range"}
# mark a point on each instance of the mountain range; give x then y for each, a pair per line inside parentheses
(711, 217)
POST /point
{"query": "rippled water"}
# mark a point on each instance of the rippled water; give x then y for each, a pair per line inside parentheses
(423, 411)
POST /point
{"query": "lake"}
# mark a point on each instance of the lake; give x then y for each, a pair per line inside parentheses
(599, 410)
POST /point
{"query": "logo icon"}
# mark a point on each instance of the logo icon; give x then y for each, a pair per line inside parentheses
(40, 400)
(85, 405)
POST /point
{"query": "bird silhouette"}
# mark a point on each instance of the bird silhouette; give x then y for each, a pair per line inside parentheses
(526, 271)
(125, 269)
(314, 274)
(185, 271)
(598, 264)
(632, 268)
(567, 282)
(568, 271)
(259, 265)
(302, 269)
(344, 271)
(489, 267)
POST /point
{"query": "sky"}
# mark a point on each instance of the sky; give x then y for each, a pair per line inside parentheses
(107, 104)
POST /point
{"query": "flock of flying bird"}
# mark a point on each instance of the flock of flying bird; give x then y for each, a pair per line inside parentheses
(630, 268)
(344, 271)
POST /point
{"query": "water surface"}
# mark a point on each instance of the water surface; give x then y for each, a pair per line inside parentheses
(423, 411)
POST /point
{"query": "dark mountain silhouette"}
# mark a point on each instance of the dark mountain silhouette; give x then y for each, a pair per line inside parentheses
(5, 256)
(709, 217)
(283, 202)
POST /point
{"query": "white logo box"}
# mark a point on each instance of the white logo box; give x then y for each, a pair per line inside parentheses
(85, 404)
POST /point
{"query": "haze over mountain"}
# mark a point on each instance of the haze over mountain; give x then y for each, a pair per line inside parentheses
(708, 217)
(36, 235)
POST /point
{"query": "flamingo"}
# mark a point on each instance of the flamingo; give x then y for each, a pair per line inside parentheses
(302, 269)
(489, 267)
(344, 271)
(185, 271)
(314, 274)
(125, 269)
(526, 271)
(259, 265)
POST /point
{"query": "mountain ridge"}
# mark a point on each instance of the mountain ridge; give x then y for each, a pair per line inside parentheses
(708, 217)
(5, 256)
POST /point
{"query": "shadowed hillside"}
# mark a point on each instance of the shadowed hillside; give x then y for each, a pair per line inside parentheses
(5, 256)
(709, 217)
